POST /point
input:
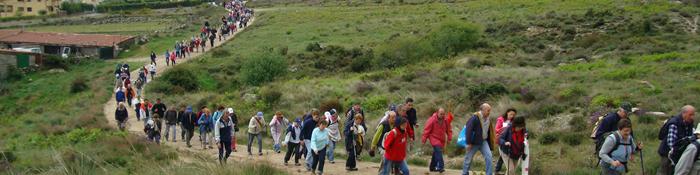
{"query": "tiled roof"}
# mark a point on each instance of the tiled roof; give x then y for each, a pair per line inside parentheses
(45, 38)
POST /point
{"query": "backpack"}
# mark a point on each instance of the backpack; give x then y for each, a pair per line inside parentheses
(617, 143)
(663, 133)
(596, 126)
(386, 134)
(679, 147)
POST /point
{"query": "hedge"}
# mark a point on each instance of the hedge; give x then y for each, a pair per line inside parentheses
(152, 5)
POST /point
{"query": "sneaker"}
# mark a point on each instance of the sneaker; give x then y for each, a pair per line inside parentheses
(441, 171)
(260, 154)
(352, 169)
(332, 162)
(250, 154)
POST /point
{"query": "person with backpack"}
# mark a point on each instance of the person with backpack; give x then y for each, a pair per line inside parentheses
(145, 110)
(130, 95)
(512, 143)
(617, 149)
(354, 139)
(121, 115)
(439, 133)
(215, 117)
(171, 123)
(319, 143)
(223, 135)
(334, 133)
(609, 123)
(204, 127)
(153, 128)
(255, 128)
(120, 96)
(353, 111)
(292, 141)
(159, 108)
(382, 129)
(676, 128)
(502, 122)
(411, 113)
(307, 129)
(153, 57)
(277, 127)
(480, 137)
(687, 164)
(234, 118)
(188, 121)
(396, 142)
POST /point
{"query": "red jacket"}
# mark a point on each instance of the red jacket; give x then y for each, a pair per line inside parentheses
(437, 131)
(395, 145)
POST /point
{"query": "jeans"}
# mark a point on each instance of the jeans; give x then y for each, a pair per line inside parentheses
(250, 142)
(331, 157)
(189, 134)
(309, 153)
(292, 148)
(167, 131)
(388, 165)
(485, 151)
(436, 162)
(319, 160)
(203, 137)
(224, 151)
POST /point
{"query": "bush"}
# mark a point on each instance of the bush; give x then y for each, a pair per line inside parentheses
(14, 73)
(78, 85)
(362, 63)
(107, 7)
(453, 37)
(480, 92)
(573, 139)
(263, 68)
(55, 62)
(647, 119)
(375, 103)
(219, 53)
(76, 7)
(313, 47)
(331, 104)
(549, 138)
(363, 88)
(578, 123)
(182, 77)
(270, 95)
(402, 51)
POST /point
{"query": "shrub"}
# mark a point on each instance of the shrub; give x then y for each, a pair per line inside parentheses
(375, 103)
(549, 138)
(625, 73)
(402, 51)
(182, 77)
(647, 119)
(572, 92)
(362, 63)
(605, 101)
(219, 53)
(119, 6)
(270, 95)
(578, 123)
(313, 47)
(263, 68)
(55, 62)
(331, 104)
(78, 85)
(573, 139)
(480, 92)
(363, 88)
(14, 73)
(76, 7)
(453, 37)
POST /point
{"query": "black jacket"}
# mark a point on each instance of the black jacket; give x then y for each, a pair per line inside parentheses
(171, 117)
(121, 115)
(188, 120)
(159, 108)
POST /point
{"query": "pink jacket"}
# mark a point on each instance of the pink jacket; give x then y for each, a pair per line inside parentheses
(499, 126)
(437, 131)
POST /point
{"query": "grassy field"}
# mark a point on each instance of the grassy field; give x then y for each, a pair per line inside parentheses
(558, 62)
(115, 28)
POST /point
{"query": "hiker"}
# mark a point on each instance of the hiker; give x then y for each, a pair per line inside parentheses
(291, 140)
(146, 110)
(439, 133)
(188, 120)
(215, 118)
(121, 115)
(382, 129)
(119, 95)
(234, 118)
(130, 94)
(674, 129)
(614, 154)
(167, 57)
(180, 115)
(255, 128)
(212, 37)
(152, 128)
(502, 122)
(395, 144)
(334, 133)
(159, 108)
(223, 133)
(354, 140)
(204, 127)
(137, 109)
(353, 111)
(307, 129)
(152, 69)
(687, 164)
(277, 125)
(203, 42)
(512, 143)
(153, 57)
(411, 114)
(319, 143)
(609, 122)
(139, 86)
(480, 137)
(171, 123)
(402, 110)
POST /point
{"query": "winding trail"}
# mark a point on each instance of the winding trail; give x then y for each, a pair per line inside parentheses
(276, 159)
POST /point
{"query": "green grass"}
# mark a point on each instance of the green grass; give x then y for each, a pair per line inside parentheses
(113, 28)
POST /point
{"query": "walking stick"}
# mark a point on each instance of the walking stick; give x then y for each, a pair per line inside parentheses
(641, 156)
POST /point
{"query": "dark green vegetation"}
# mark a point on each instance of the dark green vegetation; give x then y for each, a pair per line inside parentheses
(558, 62)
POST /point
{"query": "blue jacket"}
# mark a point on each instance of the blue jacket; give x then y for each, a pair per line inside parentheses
(307, 128)
(120, 96)
(474, 132)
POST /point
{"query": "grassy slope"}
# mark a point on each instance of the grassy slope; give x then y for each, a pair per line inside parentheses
(566, 89)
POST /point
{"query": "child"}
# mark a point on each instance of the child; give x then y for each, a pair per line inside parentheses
(395, 145)
(319, 143)
(292, 141)
(333, 133)
(354, 136)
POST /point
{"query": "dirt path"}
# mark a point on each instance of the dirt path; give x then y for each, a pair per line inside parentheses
(136, 127)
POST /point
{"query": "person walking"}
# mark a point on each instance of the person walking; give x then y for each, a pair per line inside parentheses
(439, 133)
(167, 57)
(688, 164)
(609, 122)
(382, 129)
(480, 137)
(334, 133)
(503, 121)
(396, 144)
(234, 118)
(255, 127)
(171, 123)
(152, 69)
(188, 121)
(512, 143)
(616, 151)
(674, 129)
(319, 143)
(153, 57)
(153, 128)
(354, 140)
(277, 126)
(307, 129)
(204, 128)
(121, 115)
(292, 141)
(223, 133)
(119, 95)
(130, 95)
(159, 108)
(353, 111)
